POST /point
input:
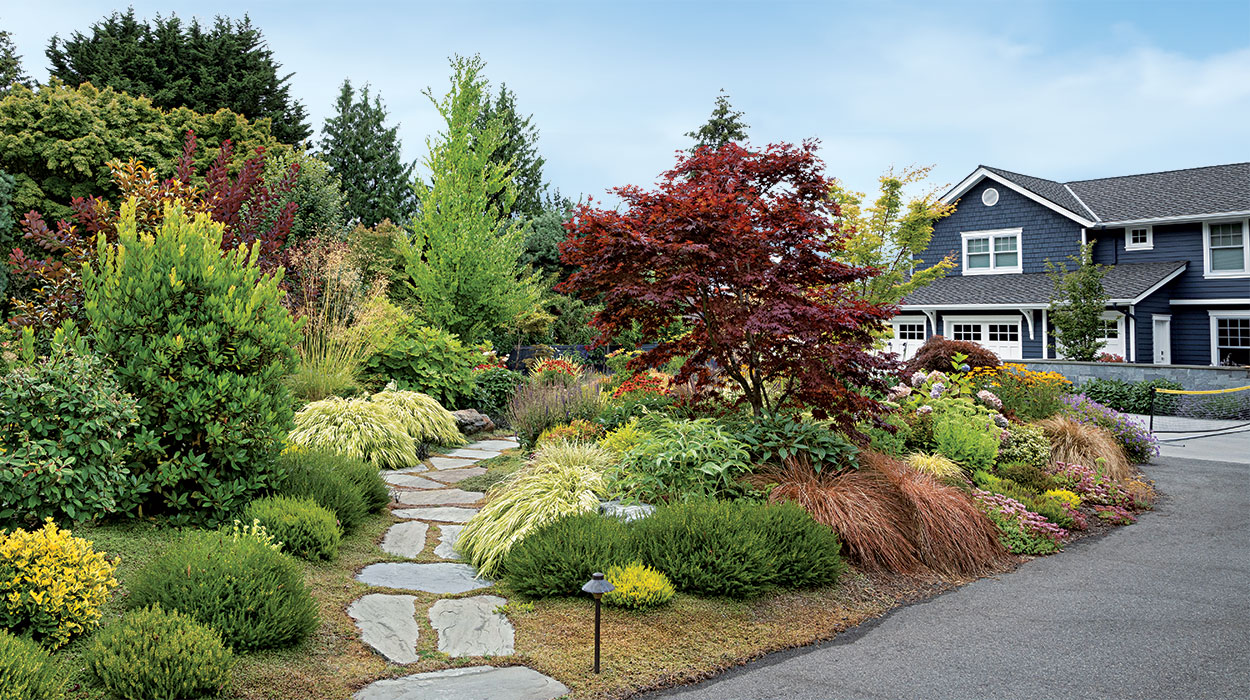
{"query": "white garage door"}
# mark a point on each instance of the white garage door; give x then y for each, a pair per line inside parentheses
(1000, 336)
(908, 336)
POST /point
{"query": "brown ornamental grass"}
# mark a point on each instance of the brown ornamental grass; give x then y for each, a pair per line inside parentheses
(1073, 442)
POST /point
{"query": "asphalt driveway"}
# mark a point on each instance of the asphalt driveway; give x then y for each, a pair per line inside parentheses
(1160, 609)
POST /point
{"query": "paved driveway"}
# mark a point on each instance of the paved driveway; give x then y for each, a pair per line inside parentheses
(1160, 609)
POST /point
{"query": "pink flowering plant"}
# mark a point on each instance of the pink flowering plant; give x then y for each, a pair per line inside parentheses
(1093, 486)
(1115, 515)
(1020, 530)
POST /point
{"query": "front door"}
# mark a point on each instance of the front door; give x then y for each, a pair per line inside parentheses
(1162, 339)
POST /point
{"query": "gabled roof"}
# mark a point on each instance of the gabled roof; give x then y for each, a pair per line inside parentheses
(1193, 193)
(1126, 283)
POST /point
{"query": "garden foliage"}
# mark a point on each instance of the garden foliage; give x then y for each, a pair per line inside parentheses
(253, 595)
(555, 559)
(578, 431)
(421, 358)
(1073, 441)
(1131, 397)
(1025, 444)
(493, 389)
(638, 587)
(936, 465)
(27, 671)
(938, 353)
(679, 460)
(1027, 394)
(356, 428)
(776, 438)
(367, 154)
(426, 421)
(538, 406)
(346, 486)
(151, 654)
(304, 528)
(969, 438)
(1134, 439)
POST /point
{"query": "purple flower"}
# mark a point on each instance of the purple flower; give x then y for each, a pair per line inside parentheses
(917, 379)
(965, 368)
(937, 390)
(1000, 421)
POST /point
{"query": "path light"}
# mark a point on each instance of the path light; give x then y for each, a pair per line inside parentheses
(597, 586)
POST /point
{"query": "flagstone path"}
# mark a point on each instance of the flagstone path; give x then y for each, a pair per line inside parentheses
(465, 626)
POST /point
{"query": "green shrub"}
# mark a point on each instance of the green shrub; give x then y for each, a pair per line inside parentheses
(1003, 487)
(557, 558)
(972, 440)
(709, 548)
(493, 389)
(577, 431)
(679, 460)
(27, 671)
(1131, 397)
(356, 428)
(423, 359)
(304, 528)
(207, 368)
(638, 587)
(1026, 444)
(372, 487)
(254, 596)
(151, 654)
(623, 438)
(1053, 510)
(1027, 475)
(774, 439)
(895, 439)
(423, 417)
(807, 552)
(538, 406)
(936, 466)
(326, 478)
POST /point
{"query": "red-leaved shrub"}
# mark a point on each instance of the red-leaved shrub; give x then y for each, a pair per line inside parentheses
(939, 353)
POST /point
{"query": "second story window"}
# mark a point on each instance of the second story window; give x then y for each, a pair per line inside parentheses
(991, 252)
(1139, 238)
(1227, 254)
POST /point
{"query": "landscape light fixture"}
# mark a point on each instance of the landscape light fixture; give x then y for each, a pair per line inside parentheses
(597, 586)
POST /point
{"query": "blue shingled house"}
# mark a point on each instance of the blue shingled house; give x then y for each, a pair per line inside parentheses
(1177, 243)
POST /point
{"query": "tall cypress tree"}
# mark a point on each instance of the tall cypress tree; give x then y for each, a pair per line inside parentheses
(518, 145)
(365, 153)
(206, 68)
(723, 126)
(10, 64)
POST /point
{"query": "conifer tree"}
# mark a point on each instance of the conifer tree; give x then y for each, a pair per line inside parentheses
(519, 147)
(10, 64)
(723, 126)
(365, 154)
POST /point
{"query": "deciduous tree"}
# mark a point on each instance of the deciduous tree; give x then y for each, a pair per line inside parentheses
(366, 155)
(1077, 305)
(741, 246)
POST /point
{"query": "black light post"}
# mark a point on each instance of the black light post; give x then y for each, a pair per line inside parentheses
(597, 586)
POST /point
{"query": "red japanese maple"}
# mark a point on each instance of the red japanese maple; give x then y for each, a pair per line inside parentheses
(738, 245)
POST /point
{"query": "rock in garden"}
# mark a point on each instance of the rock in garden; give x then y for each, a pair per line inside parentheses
(438, 514)
(439, 497)
(616, 509)
(471, 683)
(411, 481)
(471, 627)
(440, 577)
(471, 422)
(405, 539)
(447, 535)
(388, 624)
(452, 476)
(450, 463)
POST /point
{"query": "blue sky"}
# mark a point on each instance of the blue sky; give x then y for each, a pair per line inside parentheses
(1062, 90)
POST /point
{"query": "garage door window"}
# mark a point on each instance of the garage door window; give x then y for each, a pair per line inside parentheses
(967, 331)
(1004, 333)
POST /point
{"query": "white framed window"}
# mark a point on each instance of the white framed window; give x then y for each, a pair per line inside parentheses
(909, 335)
(989, 197)
(1230, 338)
(1226, 250)
(1000, 335)
(1112, 333)
(1139, 238)
(991, 252)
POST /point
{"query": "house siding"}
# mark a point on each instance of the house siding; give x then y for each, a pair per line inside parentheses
(1029, 347)
(1172, 242)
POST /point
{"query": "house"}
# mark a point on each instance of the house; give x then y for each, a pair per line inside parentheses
(1177, 244)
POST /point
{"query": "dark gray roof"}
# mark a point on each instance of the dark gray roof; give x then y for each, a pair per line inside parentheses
(1123, 281)
(1210, 190)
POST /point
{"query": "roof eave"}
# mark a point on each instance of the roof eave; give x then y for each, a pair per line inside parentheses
(1183, 218)
(982, 172)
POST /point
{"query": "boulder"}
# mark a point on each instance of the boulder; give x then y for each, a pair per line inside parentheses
(470, 421)
(616, 509)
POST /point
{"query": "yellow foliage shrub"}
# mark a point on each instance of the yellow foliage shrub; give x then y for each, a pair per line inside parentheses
(1069, 497)
(579, 430)
(624, 438)
(638, 587)
(935, 465)
(52, 584)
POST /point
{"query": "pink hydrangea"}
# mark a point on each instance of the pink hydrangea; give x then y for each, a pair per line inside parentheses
(917, 379)
(989, 399)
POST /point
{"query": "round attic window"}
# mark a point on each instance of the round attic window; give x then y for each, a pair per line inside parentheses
(989, 197)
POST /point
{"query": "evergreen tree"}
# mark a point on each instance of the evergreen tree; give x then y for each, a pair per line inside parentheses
(518, 146)
(723, 126)
(463, 261)
(1077, 305)
(206, 68)
(365, 154)
(10, 64)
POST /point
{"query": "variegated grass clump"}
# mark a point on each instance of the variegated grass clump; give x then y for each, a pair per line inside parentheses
(422, 416)
(561, 479)
(935, 465)
(357, 428)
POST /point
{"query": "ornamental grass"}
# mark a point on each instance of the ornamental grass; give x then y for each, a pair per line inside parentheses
(1074, 442)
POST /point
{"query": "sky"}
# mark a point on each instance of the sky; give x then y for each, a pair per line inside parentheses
(1060, 90)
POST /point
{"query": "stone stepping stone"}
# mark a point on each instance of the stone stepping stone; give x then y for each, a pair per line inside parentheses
(440, 577)
(447, 535)
(439, 497)
(473, 454)
(411, 481)
(493, 445)
(471, 627)
(454, 476)
(405, 539)
(388, 623)
(470, 683)
(451, 462)
(440, 514)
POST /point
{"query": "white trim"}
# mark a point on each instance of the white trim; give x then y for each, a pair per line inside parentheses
(970, 307)
(985, 193)
(1215, 336)
(992, 235)
(1154, 338)
(1153, 288)
(932, 316)
(1130, 350)
(1045, 335)
(984, 322)
(1209, 302)
(982, 173)
(1176, 219)
(1244, 273)
(1081, 202)
(1128, 238)
(1084, 239)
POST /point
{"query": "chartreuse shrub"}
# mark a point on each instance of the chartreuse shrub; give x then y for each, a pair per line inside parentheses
(27, 671)
(203, 342)
(1025, 444)
(934, 465)
(577, 431)
(623, 438)
(424, 419)
(151, 654)
(305, 529)
(555, 559)
(682, 459)
(419, 358)
(250, 593)
(638, 587)
(64, 427)
(357, 428)
(561, 479)
(52, 584)
(969, 439)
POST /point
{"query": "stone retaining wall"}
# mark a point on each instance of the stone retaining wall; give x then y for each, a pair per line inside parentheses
(1192, 377)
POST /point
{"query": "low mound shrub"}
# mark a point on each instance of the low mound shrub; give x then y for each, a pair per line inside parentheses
(938, 353)
(326, 478)
(806, 552)
(151, 654)
(1025, 444)
(680, 460)
(424, 418)
(1090, 483)
(1021, 531)
(971, 440)
(52, 584)
(304, 528)
(27, 671)
(561, 479)
(638, 587)
(372, 487)
(253, 595)
(623, 438)
(557, 558)
(935, 465)
(1033, 478)
(357, 428)
(1075, 442)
